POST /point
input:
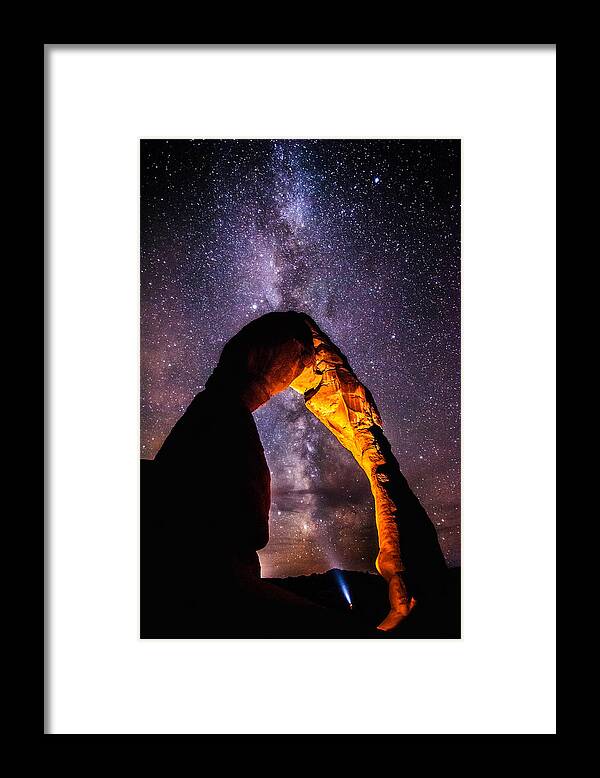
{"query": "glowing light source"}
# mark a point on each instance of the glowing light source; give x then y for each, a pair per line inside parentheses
(343, 586)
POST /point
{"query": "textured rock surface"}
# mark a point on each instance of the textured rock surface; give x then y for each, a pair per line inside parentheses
(408, 542)
(333, 393)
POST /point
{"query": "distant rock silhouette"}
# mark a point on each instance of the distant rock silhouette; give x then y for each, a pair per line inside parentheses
(205, 498)
(437, 617)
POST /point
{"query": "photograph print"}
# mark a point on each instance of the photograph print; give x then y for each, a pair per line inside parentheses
(300, 388)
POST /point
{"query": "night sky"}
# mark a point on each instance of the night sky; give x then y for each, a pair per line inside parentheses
(364, 236)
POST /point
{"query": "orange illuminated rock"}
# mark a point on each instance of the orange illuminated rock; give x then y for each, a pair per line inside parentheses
(337, 398)
(333, 393)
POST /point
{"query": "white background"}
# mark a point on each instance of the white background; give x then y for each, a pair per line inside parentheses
(500, 677)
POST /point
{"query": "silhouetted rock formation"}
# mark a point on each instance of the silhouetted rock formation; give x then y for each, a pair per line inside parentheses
(437, 617)
(206, 495)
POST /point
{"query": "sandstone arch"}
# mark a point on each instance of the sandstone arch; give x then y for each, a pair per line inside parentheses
(288, 349)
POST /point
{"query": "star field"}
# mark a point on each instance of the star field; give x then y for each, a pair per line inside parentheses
(364, 236)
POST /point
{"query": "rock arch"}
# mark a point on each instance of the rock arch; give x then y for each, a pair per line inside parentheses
(288, 349)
